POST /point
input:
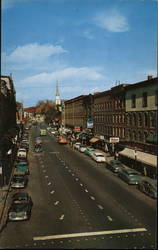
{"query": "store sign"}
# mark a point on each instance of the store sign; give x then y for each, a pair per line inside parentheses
(77, 129)
(114, 139)
(89, 124)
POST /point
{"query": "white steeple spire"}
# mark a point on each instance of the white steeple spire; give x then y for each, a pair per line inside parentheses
(57, 95)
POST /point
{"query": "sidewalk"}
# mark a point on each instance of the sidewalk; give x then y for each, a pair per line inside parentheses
(3, 203)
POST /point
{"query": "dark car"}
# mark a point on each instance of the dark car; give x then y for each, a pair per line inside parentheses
(114, 165)
(19, 181)
(130, 176)
(149, 187)
(38, 148)
(21, 207)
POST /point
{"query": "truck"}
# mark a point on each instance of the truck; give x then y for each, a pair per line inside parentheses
(43, 132)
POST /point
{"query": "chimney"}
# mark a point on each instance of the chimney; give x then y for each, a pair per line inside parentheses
(150, 77)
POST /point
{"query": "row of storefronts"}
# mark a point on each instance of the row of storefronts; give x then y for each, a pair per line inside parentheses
(123, 117)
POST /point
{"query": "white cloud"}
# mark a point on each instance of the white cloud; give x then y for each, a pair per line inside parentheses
(112, 21)
(33, 53)
(69, 75)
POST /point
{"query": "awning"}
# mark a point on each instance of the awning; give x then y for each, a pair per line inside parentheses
(146, 158)
(94, 139)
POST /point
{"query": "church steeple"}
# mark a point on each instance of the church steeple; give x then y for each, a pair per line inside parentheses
(57, 98)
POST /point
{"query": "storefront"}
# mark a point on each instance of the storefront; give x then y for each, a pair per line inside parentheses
(143, 162)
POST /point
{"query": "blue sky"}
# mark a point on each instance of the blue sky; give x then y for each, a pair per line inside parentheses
(85, 45)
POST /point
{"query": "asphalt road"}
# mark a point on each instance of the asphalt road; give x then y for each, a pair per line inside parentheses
(80, 204)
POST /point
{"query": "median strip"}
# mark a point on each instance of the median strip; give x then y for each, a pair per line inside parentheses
(62, 236)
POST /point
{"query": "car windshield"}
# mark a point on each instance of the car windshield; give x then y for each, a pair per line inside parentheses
(19, 207)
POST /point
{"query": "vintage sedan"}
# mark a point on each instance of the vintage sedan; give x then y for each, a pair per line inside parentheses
(82, 148)
(98, 157)
(89, 151)
(77, 145)
(149, 187)
(114, 165)
(130, 176)
(22, 167)
(20, 208)
(19, 181)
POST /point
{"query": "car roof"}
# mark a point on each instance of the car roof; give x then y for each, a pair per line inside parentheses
(20, 194)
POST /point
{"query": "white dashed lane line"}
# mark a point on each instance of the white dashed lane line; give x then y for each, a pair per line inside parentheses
(92, 197)
(46, 176)
(86, 190)
(56, 203)
(81, 184)
(52, 192)
(76, 179)
(61, 217)
(109, 218)
(100, 207)
(49, 183)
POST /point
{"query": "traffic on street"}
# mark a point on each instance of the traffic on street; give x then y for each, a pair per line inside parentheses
(69, 199)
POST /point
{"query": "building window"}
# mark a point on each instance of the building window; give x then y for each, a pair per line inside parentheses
(133, 98)
(152, 120)
(134, 120)
(139, 136)
(139, 120)
(145, 120)
(144, 100)
(156, 98)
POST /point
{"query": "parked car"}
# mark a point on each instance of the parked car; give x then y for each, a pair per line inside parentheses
(21, 207)
(130, 176)
(82, 148)
(89, 151)
(76, 145)
(114, 165)
(23, 167)
(98, 157)
(62, 140)
(148, 186)
(19, 181)
(24, 145)
(22, 152)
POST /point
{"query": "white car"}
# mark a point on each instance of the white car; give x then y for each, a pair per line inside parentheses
(98, 157)
(22, 152)
(77, 145)
(82, 148)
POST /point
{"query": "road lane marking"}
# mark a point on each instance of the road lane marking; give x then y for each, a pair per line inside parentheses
(62, 236)
(52, 192)
(49, 183)
(92, 198)
(61, 217)
(46, 176)
(100, 206)
(72, 174)
(81, 184)
(56, 203)
(76, 179)
(109, 218)
(86, 190)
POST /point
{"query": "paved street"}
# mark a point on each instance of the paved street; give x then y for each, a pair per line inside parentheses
(80, 204)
